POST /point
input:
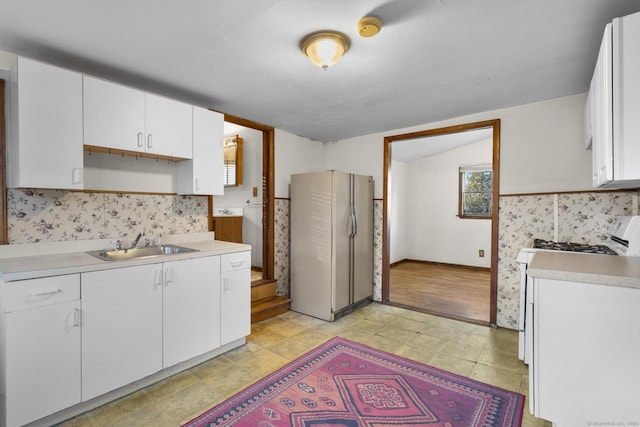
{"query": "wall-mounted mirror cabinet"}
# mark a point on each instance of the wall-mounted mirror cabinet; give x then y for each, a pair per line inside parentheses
(232, 161)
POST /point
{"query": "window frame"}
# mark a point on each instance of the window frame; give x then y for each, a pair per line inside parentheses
(464, 169)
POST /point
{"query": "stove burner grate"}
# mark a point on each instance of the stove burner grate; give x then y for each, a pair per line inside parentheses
(572, 247)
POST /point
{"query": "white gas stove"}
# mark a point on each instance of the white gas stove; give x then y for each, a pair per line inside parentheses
(623, 240)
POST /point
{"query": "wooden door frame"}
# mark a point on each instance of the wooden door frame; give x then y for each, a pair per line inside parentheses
(268, 192)
(386, 229)
(4, 236)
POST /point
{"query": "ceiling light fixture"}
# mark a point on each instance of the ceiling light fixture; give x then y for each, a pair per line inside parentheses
(325, 48)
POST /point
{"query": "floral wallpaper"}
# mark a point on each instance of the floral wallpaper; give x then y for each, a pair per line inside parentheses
(579, 217)
(57, 215)
(377, 249)
(281, 246)
(36, 216)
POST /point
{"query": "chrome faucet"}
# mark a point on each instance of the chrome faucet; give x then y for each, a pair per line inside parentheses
(135, 242)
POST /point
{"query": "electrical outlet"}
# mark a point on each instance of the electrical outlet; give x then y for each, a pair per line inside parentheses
(481, 253)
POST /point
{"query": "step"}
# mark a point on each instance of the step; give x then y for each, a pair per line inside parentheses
(268, 307)
(262, 289)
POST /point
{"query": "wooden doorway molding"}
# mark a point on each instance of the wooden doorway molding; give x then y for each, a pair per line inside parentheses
(386, 229)
(268, 192)
(4, 235)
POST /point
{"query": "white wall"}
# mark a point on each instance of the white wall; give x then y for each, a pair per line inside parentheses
(541, 147)
(112, 172)
(433, 231)
(362, 155)
(295, 154)
(398, 211)
(237, 197)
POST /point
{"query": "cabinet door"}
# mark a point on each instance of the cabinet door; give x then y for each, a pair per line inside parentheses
(603, 119)
(113, 115)
(228, 228)
(45, 148)
(191, 301)
(43, 361)
(204, 173)
(121, 327)
(570, 340)
(235, 304)
(168, 127)
(626, 105)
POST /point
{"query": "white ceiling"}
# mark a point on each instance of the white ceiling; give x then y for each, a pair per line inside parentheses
(432, 60)
(410, 150)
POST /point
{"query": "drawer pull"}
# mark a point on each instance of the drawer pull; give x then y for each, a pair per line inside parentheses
(236, 263)
(41, 293)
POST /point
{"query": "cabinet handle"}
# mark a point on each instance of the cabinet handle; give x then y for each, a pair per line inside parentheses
(76, 176)
(157, 278)
(225, 284)
(41, 293)
(236, 263)
(168, 276)
(149, 141)
(76, 317)
(197, 185)
(140, 138)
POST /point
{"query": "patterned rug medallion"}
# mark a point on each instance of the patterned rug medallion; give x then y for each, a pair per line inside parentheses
(345, 384)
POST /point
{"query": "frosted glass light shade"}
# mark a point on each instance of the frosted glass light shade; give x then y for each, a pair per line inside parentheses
(325, 48)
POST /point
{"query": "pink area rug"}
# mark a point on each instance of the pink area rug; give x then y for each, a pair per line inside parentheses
(345, 384)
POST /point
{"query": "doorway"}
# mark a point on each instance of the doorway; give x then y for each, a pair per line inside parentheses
(439, 233)
(267, 191)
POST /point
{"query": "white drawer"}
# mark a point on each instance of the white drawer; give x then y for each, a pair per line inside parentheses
(235, 261)
(31, 293)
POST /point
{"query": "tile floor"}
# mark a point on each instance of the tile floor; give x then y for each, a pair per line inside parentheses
(485, 354)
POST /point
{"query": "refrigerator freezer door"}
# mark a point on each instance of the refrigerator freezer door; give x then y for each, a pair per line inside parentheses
(311, 243)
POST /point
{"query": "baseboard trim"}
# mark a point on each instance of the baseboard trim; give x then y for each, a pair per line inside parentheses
(470, 267)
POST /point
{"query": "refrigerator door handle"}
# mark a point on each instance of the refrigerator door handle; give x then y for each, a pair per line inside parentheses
(352, 206)
(354, 221)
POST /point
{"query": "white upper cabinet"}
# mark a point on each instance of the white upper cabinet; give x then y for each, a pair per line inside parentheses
(113, 115)
(123, 118)
(168, 127)
(204, 174)
(614, 105)
(44, 148)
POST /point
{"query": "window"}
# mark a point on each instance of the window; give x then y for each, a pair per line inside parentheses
(476, 191)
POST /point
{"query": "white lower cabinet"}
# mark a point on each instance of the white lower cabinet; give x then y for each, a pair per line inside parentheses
(121, 327)
(586, 340)
(67, 339)
(139, 320)
(235, 303)
(42, 370)
(191, 318)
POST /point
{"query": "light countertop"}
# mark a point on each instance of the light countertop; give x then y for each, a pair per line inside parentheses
(587, 268)
(50, 264)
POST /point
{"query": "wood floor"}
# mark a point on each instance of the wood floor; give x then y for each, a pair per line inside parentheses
(454, 291)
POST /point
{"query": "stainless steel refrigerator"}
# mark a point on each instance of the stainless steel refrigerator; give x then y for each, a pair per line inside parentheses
(331, 250)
